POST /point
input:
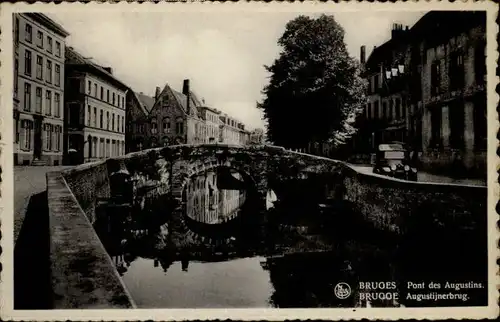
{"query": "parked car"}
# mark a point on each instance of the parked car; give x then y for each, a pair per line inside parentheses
(393, 159)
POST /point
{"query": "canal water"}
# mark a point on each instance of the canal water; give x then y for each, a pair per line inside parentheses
(226, 251)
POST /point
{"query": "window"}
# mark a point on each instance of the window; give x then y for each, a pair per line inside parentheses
(384, 110)
(118, 100)
(39, 39)
(48, 102)
(436, 117)
(48, 136)
(403, 109)
(107, 148)
(27, 62)
(102, 93)
(74, 115)
(57, 105)
(391, 108)
(89, 87)
(26, 131)
(107, 95)
(114, 99)
(38, 101)
(16, 79)
(16, 31)
(154, 128)
(58, 138)
(456, 118)
(123, 124)
(435, 78)
(58, 49)
(369, 110)
(58, 75)
(27, 97)
(398, 108)
(89, 115)
(480, 124)
(166, 125)
(95, 117)
(95, 90)
(107, 120)
(123, 102)
(48, 77)
(94, 147)
(179, 126)
(28, 33)
(101, 148)
(480, 63)
(456, 72)
(118, 123)
(49, 44)
(375, 107)
(375, 81)
(39, 67)
(100, 120)
(113, 122)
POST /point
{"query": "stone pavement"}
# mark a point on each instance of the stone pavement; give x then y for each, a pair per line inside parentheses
(429, 177)
(28, 180)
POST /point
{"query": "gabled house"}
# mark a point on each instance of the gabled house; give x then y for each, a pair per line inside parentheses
(175, 117)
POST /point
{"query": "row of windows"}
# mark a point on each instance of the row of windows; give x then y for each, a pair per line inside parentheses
(40, 39)
(115, 99)
(104, 148)
(456, 118)
(115, 123)
(166, 125)
(51, 136)
(52, 105)
(40, 69)
(391, 109)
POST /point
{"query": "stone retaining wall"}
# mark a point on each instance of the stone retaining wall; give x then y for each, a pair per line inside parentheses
(82, 273)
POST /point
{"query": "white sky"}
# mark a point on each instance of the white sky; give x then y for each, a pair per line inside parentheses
(221, 53)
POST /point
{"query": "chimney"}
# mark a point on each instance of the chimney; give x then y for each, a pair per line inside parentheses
(109, 70)
(157, 93)
(186, 91)
(362, 55)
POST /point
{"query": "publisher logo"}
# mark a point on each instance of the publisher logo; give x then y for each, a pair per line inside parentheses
(342, 290)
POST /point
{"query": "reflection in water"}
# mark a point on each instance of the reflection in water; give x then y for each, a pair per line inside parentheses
(208, 204)
(225, 251)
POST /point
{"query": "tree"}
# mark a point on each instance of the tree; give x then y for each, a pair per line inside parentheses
(315, 89)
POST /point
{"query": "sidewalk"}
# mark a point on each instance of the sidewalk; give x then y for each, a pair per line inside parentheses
(28, 181)
(428, 177)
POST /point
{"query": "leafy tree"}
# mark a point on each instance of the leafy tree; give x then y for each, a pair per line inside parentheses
(315, 89)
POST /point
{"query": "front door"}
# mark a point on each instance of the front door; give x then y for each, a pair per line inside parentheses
(37, 144)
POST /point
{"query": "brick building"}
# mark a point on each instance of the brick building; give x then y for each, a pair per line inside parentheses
(39, 53)
(94, 111)
(174, 118)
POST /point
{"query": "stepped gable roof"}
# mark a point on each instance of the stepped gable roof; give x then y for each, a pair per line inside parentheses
(76, 60)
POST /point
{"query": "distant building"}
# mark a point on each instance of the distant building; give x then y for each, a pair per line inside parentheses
(94, 111)
(137, 130)
(39, 75)
(232, 131)
(210, 128)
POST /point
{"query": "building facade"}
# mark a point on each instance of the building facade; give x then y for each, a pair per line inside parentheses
(39, 55)
(232, 131)
(426, 88)
(210, 128)
(137, 122)
(256, 136)
(94, 111)
(454, 122)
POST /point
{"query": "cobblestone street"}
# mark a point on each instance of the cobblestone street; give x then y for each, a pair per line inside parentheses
(27, 182)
